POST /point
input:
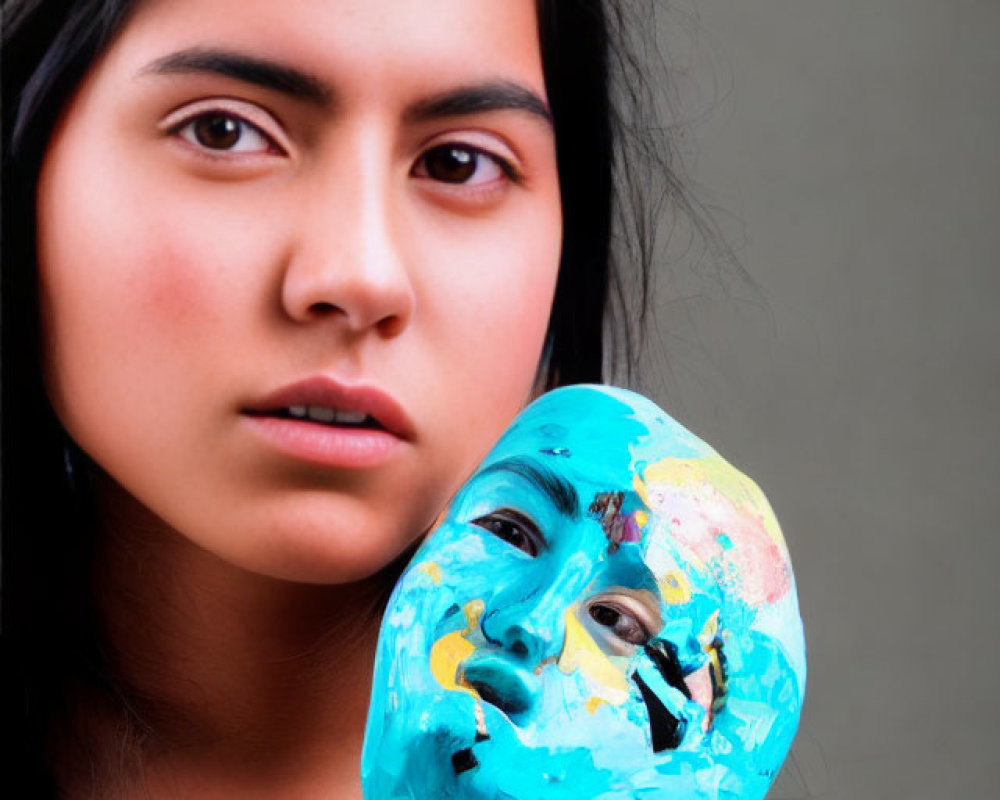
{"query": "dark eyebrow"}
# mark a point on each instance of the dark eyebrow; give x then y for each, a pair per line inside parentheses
(478, 99)
(481, 98)
(258, 71)
(560, 491)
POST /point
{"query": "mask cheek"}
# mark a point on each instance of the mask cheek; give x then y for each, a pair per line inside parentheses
(580, 654)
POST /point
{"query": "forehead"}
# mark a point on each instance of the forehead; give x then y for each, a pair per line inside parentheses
(634, 471)
(600, 439)
(369, 46)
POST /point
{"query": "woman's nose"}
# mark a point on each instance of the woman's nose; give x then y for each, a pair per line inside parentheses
(347, 262)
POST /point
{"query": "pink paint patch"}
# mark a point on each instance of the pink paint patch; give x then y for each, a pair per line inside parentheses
(631, 532)
(699, 683)
(754, 564)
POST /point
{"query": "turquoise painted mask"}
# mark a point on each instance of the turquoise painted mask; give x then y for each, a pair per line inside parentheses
(606, 610)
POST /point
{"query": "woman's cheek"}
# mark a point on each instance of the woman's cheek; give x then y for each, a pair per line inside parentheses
(499, 272)
(488, 298)
(130, 290)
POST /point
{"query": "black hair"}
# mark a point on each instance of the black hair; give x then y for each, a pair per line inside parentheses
(49, 630)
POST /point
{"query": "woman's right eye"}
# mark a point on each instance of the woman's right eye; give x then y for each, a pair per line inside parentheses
(225, 127)
(514, 528)
(225, 132)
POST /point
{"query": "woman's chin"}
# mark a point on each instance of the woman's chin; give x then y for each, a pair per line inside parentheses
(332, 556)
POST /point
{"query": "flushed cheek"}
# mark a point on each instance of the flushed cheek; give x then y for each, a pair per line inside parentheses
(493, 352)
(196, 287)
(124, 315)
(489, 296)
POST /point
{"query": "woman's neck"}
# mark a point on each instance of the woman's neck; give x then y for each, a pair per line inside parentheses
(248, 685)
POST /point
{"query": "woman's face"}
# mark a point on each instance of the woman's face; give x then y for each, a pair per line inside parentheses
(296, 266)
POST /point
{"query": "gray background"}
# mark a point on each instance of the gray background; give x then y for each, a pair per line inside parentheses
(850, 151)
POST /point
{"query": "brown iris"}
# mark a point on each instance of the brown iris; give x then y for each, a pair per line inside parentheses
(451, 164)
(217, 131)
(624, 626)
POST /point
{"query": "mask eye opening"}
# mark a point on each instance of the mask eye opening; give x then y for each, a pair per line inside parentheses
(513, 527)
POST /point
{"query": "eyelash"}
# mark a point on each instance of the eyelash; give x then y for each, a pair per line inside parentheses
(186, 129)
(636, 635)
(243, 128)
(526, 536)
(459, 150)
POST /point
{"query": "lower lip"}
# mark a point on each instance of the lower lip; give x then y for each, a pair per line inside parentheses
(327, 445)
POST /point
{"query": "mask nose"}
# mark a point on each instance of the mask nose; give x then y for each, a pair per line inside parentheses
(524, 633)
(531, 629)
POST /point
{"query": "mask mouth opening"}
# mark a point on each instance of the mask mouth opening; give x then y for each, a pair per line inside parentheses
(463, 760)
(666, 730)
(502, 684)
(506, 703)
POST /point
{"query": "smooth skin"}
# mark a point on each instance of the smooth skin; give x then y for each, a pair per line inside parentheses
(204, 241)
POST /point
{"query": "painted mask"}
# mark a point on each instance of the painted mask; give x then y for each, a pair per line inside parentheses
(606, 610)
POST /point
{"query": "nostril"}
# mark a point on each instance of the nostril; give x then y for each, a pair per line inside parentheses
(524, 642)
(322, 309)
(509, 703)
(519, 648)
(501, 683)
(391, 327)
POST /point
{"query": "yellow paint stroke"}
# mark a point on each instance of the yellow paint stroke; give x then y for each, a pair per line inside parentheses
(715, 473)
(641, 518)
(473, 611)
(594, 703)
(709, 641)
(675, 588)
(433, 570)
(448, 652)
(709, 632)
(581, 652)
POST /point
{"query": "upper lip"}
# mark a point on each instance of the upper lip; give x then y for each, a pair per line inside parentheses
(323, 390)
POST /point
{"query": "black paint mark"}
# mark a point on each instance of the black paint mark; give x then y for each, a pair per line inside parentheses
(667, 731)
(663, 654)
(464, 760)
(556, 451)
(718, 673)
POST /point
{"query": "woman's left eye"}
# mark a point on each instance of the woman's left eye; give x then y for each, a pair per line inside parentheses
(619, 622)
(224, 132)
(463, 164)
